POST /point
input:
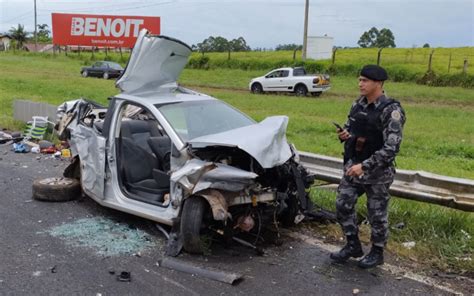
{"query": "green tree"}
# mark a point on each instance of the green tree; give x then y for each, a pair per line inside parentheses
(43, 33)
(221, 44)
(19, 35)
(385, 38)
(426, 45)
(376, 38)
(239, 44)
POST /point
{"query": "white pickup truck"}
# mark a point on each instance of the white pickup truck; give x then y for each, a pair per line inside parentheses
(291, 80)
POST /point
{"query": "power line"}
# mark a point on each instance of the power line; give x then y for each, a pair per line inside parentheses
(125, 7)
(17, 17)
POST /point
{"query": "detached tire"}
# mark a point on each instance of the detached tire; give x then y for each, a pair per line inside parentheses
(192, 223)
(56, 189)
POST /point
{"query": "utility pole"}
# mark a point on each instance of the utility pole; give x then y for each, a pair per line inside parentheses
(305, 37)
(36, 33)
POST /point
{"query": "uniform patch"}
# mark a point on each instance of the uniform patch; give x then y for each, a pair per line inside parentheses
(396, 115)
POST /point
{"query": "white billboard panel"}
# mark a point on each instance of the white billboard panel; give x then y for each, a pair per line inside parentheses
(319, 47)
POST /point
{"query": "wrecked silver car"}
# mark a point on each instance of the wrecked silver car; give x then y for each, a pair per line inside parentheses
(182, 158)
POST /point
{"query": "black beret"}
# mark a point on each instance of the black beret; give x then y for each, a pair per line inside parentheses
(374, 72)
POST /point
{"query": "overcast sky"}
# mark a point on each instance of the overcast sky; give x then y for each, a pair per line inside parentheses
(267, 23)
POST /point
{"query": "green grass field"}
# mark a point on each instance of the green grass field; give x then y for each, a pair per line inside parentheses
(438, 136)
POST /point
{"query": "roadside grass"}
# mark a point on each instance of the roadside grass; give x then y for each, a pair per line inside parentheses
(438, 137)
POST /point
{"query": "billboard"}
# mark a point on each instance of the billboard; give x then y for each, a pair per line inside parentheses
(319, 47)
(100, 30)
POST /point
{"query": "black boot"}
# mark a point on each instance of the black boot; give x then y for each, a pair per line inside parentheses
(374, 258)
(353, 248)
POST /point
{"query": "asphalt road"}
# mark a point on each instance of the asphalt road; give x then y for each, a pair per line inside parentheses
(79, 247)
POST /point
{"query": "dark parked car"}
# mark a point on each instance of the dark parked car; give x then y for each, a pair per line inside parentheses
(102, 69)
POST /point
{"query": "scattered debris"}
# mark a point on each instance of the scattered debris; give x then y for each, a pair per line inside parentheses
(37, 273)
(399, 226)
(409, 245)
(124, 276)
(221, 276)
(53, 269)
(355, 291)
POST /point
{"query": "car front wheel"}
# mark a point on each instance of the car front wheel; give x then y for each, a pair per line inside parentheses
(106, 75)
(193, 224)
(85, 73)
(256, 88)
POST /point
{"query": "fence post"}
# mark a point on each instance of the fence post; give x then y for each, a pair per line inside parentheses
(294, 53)
(378, 56)
(121, 56)
(449, 63)
(464, 69)
(228, 54)
(65, 50)
(333, 56)
(430, 60)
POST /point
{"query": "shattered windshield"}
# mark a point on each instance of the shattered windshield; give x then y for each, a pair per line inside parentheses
(200, 118)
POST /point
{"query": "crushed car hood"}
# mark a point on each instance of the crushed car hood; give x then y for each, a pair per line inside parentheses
(264, 141)
(155, 61)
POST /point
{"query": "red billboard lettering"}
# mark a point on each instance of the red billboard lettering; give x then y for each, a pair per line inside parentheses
(100, 30)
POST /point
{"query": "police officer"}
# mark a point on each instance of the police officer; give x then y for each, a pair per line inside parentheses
(372, 137)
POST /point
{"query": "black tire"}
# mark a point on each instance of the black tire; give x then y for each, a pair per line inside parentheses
(316, 94)
(106, 75)
(301, 90)
(85, 73)
(256, 88)
(192, 218)
(56, 189)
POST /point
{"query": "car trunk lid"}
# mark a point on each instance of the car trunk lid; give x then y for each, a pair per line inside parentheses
(155, 61)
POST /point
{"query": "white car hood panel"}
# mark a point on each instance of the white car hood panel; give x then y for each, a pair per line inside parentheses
(155, 61)
(264, 141)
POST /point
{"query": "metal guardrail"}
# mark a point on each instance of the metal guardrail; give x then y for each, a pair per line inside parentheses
(422, 186)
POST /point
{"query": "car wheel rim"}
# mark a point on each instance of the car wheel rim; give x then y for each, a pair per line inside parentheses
(55, 181)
